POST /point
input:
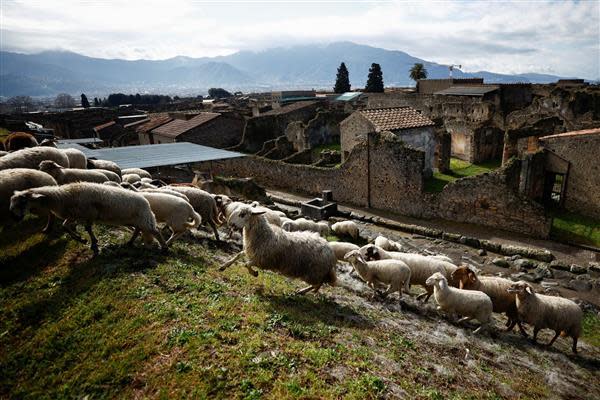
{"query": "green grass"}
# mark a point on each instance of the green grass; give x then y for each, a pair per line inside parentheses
(591, 328)
(458, 169)
(316, 151)
(572, 227)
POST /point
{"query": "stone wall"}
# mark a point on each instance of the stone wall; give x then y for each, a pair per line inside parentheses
(422, 139)
(220, 132)
(324, 128)
(353, 131)
(583, 180)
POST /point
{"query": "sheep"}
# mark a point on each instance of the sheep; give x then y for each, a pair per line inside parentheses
(387, 244)
(93, 163)
(345, 228)
(303, 224)
(175, 212)
(303, 255)
(340, 249)
(496, 288)
(3, 153)
(130, 178)
(70, 175)
(31, 157)
(421, 266)
(203, 203)
(88, 203)
(468, 303)
(111, 183)
(394, 273)
(110, 175)
(138, 171)
(561, 315)
(17, 179)
(143, 185)
(20, 140)
(76, 158)
(48, 143)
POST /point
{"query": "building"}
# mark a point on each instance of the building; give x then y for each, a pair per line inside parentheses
(144, 129)
(430, 86)
(288, 95)
(208, 129)
(109, 132)
(405, 123)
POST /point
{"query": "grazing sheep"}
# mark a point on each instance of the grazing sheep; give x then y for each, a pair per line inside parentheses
(468, 303)
(93, 163)
(71, 175)
(17, 179)
(303, 224)
(20, 140)
(387, 244)
(76, 158)
(89, 203)
(340, 249)
(496, 288)
(345, 228)
(130, 178)
(203, 203)
(303, 255)
(175, 212)
(556, 313)
(394, 273)
(422, 267)
(138, 171)
(32, 157)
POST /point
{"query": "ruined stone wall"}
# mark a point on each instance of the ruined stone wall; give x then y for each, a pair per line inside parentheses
(583, 181)
(421, 139)
(353, 131)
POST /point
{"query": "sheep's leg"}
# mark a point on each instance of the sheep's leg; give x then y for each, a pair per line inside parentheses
(49, 223)
(163, 245)
(317, 287)
(248, 266)
(93, 239)
(229, 262)
(308, 289)
(67, 226)
(574, 348)
(478, 329)
(463, 319)
(214, 228)
(174, 236)
(557, 333)
(427, 294)
(535, 333)
(136, 233)
(510, 324)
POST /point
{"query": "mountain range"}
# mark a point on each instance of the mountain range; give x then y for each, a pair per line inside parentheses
(306, 66)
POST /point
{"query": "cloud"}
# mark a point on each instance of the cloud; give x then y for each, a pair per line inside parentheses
(509, 37)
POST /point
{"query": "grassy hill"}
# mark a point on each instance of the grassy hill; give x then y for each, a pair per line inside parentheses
(136, 323)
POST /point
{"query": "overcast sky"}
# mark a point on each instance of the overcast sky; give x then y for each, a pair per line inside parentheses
(558, 37)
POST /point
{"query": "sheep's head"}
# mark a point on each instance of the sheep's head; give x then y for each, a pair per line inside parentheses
(464, 276)
(437, 279)
(354, 255)
(49, 166)
(371, 252)
(243, 216)
(48, 142)
(522, 289)
(23, 201)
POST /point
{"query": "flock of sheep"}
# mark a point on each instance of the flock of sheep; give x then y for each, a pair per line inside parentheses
(63, 184)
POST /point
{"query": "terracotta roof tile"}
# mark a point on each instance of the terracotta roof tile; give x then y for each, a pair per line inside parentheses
(388, 119)
(155, 120)
(179, 126)
(105, 125)
(585, 132)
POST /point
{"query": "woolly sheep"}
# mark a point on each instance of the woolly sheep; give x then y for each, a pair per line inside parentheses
(394, 273)
(421, 266)
(303, 255)
(471, 304)
(138, 171)
(303, 224)
(20, 140)
(542, 311)
(32, 157)
(76, 158)
(18, 179)
(175, 212)
(71, 175)
(88, 203)
(496, 288)
(130, 178)
(272, 217)
(104, 164)
(114, 177)
(387, 244)
(203, 203)
(340, 249)
(112, 183)
(3, 153)
(345, 228)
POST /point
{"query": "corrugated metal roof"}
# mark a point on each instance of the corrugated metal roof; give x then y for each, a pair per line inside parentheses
(81, 140)
(385, 119)
(180, 126)
(348, 96)
(156, 155)
(470, 90)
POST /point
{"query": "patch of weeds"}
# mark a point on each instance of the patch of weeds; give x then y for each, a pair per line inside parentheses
(183, 367)
(180, 336)
(250, 392)
(368, 386)
(591, 328)
(294, 388)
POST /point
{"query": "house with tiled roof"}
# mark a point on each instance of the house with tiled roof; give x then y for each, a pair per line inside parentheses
(406, 123)
(108, 131)
(206, 128)
(144, 128)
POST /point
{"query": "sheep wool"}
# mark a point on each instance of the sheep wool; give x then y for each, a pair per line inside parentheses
(71, 175)
(104, 164)
(203, 203)
(76, 158)
(342, 248)
(17, 179)
(346, 228)
(138, 171)
(32, 157)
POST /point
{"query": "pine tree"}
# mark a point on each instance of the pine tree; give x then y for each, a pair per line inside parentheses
(342, 80)
(375, 79)
(84, 101)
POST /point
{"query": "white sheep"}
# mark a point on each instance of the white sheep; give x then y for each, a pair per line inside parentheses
(346, 228)
(114, 177)
(387, 244)
(3, 153)
(303, 255)
(303, 224)
(31, 157)
(468, 303)
(272, 217)
(203, 203)
(71, 175)
(76, 158)
(422, 267)
(93, 163)
(175, 212)
(542, 311)
(342, 248)
(394, 273)
(89, 203)
(138, 171)
(130, 178)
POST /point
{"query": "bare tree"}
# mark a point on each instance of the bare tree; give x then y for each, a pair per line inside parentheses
(64, 100)
(20, 103)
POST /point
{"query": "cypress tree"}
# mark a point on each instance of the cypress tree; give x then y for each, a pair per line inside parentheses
(342, 80)
(84, 101)
(375, 79)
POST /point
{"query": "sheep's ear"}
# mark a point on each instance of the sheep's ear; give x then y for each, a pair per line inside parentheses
(472, 276)
(529, 290)
(36, 196)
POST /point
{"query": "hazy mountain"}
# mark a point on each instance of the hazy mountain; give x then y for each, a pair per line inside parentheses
(307, 66)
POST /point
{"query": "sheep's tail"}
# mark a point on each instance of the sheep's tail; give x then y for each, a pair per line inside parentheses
(197, 220)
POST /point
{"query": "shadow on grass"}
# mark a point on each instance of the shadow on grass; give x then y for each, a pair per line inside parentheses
(31, 261)
(311, 310)
(12, 232)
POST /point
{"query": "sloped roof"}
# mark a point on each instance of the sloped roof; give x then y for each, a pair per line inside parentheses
(288, 108)
(103, 126)
(179, 126)
(154, 121)
(573, 134)
(133, 124)
(467, 90)
(388, 119)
